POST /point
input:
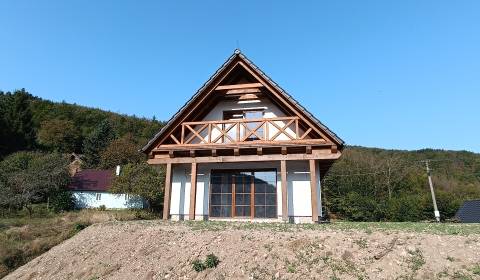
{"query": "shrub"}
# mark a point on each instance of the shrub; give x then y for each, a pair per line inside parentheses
(211, 261)
(198, 265)
(63, 201)
(14, 259)
(360, 208)
(405, 208)
(79, 226)
(102, 208)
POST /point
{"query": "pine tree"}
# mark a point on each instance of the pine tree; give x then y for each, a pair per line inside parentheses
(96, 142)
(16, 126)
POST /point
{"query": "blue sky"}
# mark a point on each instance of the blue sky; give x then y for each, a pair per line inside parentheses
(390, 74)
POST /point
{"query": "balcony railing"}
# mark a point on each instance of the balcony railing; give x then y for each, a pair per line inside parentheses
(241, 130)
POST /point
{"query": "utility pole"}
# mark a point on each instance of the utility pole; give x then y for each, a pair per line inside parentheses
(436, 212)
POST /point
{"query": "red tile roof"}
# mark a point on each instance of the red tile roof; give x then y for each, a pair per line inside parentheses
(92, 180)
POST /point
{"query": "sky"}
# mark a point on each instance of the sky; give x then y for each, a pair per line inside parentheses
(390, 74)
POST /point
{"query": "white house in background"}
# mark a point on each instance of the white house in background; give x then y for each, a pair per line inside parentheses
(90, 189)
(243, 149)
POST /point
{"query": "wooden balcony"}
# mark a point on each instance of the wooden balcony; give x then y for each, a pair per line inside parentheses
(242, 133)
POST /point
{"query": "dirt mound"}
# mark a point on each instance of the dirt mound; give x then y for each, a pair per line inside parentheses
(159, 250)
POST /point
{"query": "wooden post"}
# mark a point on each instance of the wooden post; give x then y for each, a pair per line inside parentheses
(313, 187)
(283, 171)
(193, 191)
(168, 191)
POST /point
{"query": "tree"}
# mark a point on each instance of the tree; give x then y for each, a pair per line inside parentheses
(120, 152)
(30, 177)
(16, 126)
(141, 180)
(62, 200)
(59, 135)
(96, 142)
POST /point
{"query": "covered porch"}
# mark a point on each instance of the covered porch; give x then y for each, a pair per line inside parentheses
(257, 188)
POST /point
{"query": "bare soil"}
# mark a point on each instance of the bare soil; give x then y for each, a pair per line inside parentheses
(166, 250)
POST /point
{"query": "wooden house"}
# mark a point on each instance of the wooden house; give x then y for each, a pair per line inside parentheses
(242, 148)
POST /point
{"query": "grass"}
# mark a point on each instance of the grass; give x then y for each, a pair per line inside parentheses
(416, 260)
(367, 227)
(476, 270)
(362, 243)
(22, 238)
(211, 261)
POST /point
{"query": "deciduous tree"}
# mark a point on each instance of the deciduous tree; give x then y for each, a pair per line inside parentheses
(59, 135)
(29, 177)
(120, 152)
(141, 180)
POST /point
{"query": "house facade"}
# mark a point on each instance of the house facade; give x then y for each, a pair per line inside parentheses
(242, 148)
(90, 188)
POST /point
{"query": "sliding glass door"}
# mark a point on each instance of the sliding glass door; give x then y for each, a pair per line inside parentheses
(245, 194)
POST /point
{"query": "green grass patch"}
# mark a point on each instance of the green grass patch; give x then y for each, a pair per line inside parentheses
(367, 227)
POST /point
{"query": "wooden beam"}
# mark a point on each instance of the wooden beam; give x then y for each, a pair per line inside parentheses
(175, 139)
(259, 151)
(170, 154)
(284, 150)
(283, 171)
(167, 192)
(246, 144)
(246, 158)
(243, 91)
(239, 86)
(308, 149)
(252, 194)
(313, 189)
(214, 153)
(193, 191)
(236, 152)
(192, 153)
(334, 149)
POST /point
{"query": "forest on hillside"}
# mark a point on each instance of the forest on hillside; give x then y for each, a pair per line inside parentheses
(31, 123)
(370, 184)
(366, 184)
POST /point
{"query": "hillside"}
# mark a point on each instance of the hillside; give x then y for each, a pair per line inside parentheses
(165, 250)
(22, 117)
(370, 184)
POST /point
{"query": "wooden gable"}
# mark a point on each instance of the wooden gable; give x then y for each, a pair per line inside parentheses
(239, 79)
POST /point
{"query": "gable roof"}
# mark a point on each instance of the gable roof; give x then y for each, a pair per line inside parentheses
(91, 180)
(469, 212)
(238, 56)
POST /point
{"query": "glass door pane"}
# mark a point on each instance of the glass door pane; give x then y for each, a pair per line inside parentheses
(221, 195)
(243, 183)
(265, 194)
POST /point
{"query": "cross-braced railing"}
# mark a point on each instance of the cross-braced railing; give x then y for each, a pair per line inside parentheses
(241, 130)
